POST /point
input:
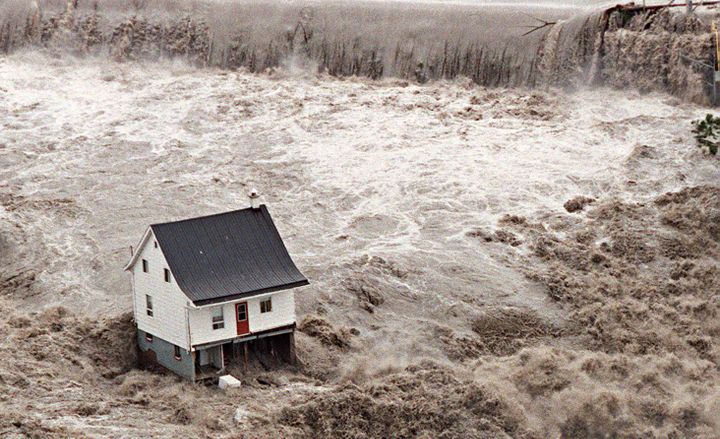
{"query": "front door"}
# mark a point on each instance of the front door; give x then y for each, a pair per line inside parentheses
(243, 323)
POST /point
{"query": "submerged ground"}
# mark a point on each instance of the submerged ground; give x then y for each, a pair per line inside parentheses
(452, 292)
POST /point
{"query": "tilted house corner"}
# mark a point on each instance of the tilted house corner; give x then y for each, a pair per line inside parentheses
(208, 290)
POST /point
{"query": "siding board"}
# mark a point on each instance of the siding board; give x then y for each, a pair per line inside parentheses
(283, 313)
(168, 320)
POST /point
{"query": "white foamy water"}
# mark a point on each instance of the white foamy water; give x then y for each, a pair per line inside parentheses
(92, 152)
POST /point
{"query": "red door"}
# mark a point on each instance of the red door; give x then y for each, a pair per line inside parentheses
(243, 323)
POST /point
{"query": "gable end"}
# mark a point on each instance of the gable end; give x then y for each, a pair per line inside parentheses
(138, 250)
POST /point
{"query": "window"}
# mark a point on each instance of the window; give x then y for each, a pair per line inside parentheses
(148, 337)
(145, 266)
(241, 312)
(148, 305)
(218, 320)
(266, 305)
(167, 275)
(155, 244)
(177, 353)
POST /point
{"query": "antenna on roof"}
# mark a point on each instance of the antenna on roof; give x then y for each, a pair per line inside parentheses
(254, 199)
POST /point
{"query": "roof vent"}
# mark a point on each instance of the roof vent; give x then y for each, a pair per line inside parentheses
(254, 199)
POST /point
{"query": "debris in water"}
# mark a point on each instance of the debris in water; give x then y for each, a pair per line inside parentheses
(578, 203)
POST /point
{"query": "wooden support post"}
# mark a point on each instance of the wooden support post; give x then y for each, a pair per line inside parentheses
(245, 356)
(291, 347)
(716, 65)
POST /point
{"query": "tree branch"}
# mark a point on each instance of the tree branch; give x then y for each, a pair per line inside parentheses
(543, 24)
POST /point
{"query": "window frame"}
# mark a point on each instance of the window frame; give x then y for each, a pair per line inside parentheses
(217, 324)
(266, 305)
(245, 311)
(145, 266)
(177, 353)
(149, 310)
(166, 273)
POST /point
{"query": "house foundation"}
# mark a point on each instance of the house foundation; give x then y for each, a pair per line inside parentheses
(208, 362)
(279, 348)
(158, 354)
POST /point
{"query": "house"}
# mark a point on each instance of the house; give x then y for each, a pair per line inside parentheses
(210, 291)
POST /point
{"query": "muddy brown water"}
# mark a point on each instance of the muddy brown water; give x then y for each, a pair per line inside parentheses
(393, 199)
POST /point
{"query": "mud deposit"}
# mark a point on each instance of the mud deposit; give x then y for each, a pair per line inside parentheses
(483, 262)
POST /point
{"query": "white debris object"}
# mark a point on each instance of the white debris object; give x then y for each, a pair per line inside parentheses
(227, 381)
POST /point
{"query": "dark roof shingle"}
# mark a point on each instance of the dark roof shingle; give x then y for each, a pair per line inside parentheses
(227, 256)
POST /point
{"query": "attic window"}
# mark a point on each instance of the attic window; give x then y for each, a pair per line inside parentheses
(218, 320)
(155, 244)
(148, 305)
(148, 337)
(145, 266)
(266, 305)
(178, 356)
(167, 275)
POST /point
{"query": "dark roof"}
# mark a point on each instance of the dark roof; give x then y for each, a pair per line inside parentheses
(227, 256)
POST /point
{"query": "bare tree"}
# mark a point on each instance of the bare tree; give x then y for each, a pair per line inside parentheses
(303, 28)
(541, 25)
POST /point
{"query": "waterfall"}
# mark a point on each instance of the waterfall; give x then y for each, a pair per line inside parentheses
(617, 47)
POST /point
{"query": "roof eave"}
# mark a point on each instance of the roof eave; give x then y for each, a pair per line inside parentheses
(136, 253)
(232, 297)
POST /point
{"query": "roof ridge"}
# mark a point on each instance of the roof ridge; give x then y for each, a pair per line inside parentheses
(260, 208)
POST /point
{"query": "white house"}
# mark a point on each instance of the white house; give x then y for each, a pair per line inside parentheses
(207, 290)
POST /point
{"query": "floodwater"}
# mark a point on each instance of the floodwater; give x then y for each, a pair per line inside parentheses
(94, 151)
(390, 196)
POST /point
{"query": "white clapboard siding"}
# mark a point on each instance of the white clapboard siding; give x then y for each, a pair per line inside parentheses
(168, 321)
(201, 330)
(283, 313)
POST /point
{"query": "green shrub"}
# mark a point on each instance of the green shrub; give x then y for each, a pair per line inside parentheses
(707, 132)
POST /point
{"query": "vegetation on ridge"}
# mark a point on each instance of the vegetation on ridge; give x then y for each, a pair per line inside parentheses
(706, 133)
